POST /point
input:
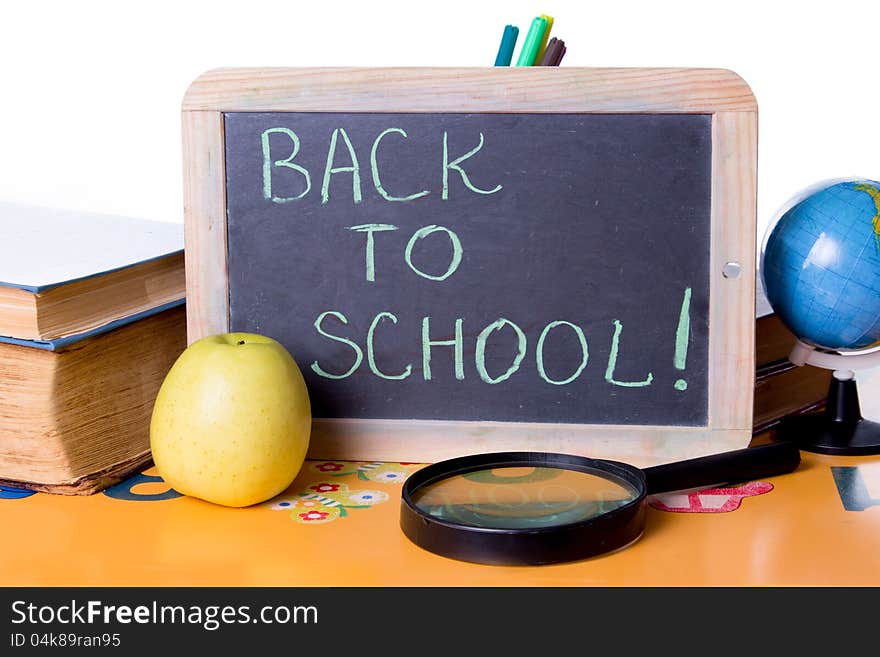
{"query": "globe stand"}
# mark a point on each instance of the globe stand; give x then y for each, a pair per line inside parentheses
(840, 429)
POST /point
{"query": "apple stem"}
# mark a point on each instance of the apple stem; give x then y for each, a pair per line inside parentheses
(241, 342)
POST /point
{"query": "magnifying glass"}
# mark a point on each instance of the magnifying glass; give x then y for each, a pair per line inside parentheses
(530, 508)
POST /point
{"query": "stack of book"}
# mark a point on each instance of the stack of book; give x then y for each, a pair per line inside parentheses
(91, 319)
(782, 388)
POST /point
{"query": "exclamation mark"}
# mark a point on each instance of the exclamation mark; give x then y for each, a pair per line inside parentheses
(682, 336)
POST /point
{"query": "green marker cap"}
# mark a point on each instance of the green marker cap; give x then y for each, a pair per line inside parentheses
(532, 43)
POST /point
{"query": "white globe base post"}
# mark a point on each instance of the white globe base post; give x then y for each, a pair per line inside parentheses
(840, 429)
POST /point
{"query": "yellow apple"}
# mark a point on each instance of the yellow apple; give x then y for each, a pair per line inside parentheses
(232, 420)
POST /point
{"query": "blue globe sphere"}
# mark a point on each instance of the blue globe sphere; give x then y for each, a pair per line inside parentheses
(821, 266)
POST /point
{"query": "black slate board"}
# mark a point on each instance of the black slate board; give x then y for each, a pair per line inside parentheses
(601, 220)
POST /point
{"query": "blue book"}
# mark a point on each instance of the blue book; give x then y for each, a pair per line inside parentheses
(67, 275)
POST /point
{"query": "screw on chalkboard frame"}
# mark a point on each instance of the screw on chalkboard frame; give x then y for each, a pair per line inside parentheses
(731, 270)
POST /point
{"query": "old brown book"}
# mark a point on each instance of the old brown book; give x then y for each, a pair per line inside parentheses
(91, 320)
(782, 389)
(76, 420)
(788, 390)
(773, 339)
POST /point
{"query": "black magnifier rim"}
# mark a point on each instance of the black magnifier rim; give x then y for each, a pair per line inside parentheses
(524, 546)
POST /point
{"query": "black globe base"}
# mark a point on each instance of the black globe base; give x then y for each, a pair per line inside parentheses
(840, 429)
(815, 433)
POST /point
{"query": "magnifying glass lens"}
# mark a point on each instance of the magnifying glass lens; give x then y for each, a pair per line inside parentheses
(530, 508)
(515, 497)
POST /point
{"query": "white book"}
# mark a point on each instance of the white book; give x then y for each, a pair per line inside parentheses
(44, 247)
(65, 275)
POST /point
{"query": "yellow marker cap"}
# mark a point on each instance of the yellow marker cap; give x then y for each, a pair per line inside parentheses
(543, 46)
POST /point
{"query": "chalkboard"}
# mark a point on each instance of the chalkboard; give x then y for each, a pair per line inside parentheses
(565, 256)
(471, 260)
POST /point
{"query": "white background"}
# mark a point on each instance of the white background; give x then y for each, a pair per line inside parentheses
(91, 91)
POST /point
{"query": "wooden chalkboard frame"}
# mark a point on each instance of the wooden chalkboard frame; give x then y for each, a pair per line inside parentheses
(718, 92)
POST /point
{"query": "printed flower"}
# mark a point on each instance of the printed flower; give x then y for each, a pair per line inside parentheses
(312, 516)
(325, 488)
(282, 505)
(329, 467)
(321, 503)
(389, 477)
(288, 505)
(386, 473)
(368, 497)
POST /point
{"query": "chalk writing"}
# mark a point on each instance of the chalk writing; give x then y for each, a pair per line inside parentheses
(371, 355)
(539, 356)
(456, 251)
(579, 359)
(269, 164)
(457, 342)
(454, 165)
(329, 170)
(481, 350)
(612, 362)
(436, 265)
(374, 167)
(682, 333)
(359, 354)
(370, 258)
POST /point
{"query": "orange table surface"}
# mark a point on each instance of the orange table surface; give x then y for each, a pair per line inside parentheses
(337, 525)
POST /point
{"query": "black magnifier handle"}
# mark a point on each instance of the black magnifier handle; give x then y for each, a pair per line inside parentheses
(739, 465)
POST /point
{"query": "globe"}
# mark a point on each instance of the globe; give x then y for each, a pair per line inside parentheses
(821, 273)
(821, 266)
